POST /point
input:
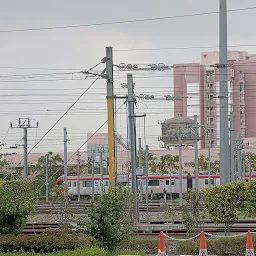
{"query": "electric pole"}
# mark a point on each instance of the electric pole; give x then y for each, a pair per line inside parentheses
(25, 124)
(180, 167)
(65, 157)
(146, 169)
(101, 173)
(250, 166)
(209, 161)
(46, 178)
(140, 167)
(196, 127)
(92, 174)
(232, 147)
(223, 78)
(78, 176)
(132, 130)
(110, 107)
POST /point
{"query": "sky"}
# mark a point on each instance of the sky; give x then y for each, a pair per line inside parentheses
(38, 76)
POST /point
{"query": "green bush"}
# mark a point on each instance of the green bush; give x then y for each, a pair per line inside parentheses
(222, 246)
(149, 246)
(130, 252)
(49, 241)
(77, 252)
(17, 202)
(107, 219)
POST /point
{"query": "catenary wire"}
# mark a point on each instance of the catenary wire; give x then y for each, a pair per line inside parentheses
(125, 21)
(62, 116)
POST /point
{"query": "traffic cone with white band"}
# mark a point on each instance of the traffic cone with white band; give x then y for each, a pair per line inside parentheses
(161, 245)
(203, 247)
(249, 245)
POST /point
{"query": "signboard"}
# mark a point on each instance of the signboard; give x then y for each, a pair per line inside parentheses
(182, 127)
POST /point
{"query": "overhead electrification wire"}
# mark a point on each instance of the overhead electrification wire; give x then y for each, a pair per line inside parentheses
(62, 116)
(123, 21)
(180, 48)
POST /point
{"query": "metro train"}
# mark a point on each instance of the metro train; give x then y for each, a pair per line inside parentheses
(158, 184)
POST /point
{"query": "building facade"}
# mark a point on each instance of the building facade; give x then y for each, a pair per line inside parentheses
(198, 86)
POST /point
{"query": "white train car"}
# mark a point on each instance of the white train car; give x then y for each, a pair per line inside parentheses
(157, 184)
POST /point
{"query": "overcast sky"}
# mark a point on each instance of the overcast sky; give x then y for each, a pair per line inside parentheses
(74, 49)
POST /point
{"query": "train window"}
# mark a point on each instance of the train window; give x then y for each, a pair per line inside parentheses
(87, 183)
(74, 184)
(206, 181)
(69, 183)
(168, 182)
(153, 182)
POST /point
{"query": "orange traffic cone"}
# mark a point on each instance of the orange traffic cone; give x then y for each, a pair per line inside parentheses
(161, 246)
(203, 247)
(249, 245)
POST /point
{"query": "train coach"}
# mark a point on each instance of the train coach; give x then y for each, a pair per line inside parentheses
(157, 184)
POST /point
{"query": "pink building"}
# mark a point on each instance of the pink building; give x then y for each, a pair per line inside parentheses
(198, 86)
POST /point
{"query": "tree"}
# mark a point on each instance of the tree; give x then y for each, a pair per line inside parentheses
(151, 160)
(192, 213)
(222, 203)
(250, 159)
(167, 164)
(18, 200)
(107, 219)
(203, 162)
(37, 172)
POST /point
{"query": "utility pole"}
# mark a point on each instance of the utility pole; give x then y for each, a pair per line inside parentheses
(65, 157)
(243, 166)
(93, 175)
(24, 123)
(78, 175)
(140, 167)
(223, 78)
(46, 178)
(132, 139)
(180, 167)
(250, 166)
(110, 107)
(196, 127)
(146, 169)
(209, 163)
(101, 173)
(232, 155)
(239, 158)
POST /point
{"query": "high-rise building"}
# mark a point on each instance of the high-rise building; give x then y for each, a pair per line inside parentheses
(198, 86)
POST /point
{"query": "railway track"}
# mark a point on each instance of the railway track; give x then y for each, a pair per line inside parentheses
(175, 229)
(54, 208)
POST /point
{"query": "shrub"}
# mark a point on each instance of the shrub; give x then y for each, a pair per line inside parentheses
(149, 246)
(107, 219)
(129, 252)
(77, 252)
(49, 241)
(222, 246)
(17, 202)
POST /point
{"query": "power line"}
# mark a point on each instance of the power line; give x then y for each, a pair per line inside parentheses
(62, 116)
(123, 21)
(181, 48)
